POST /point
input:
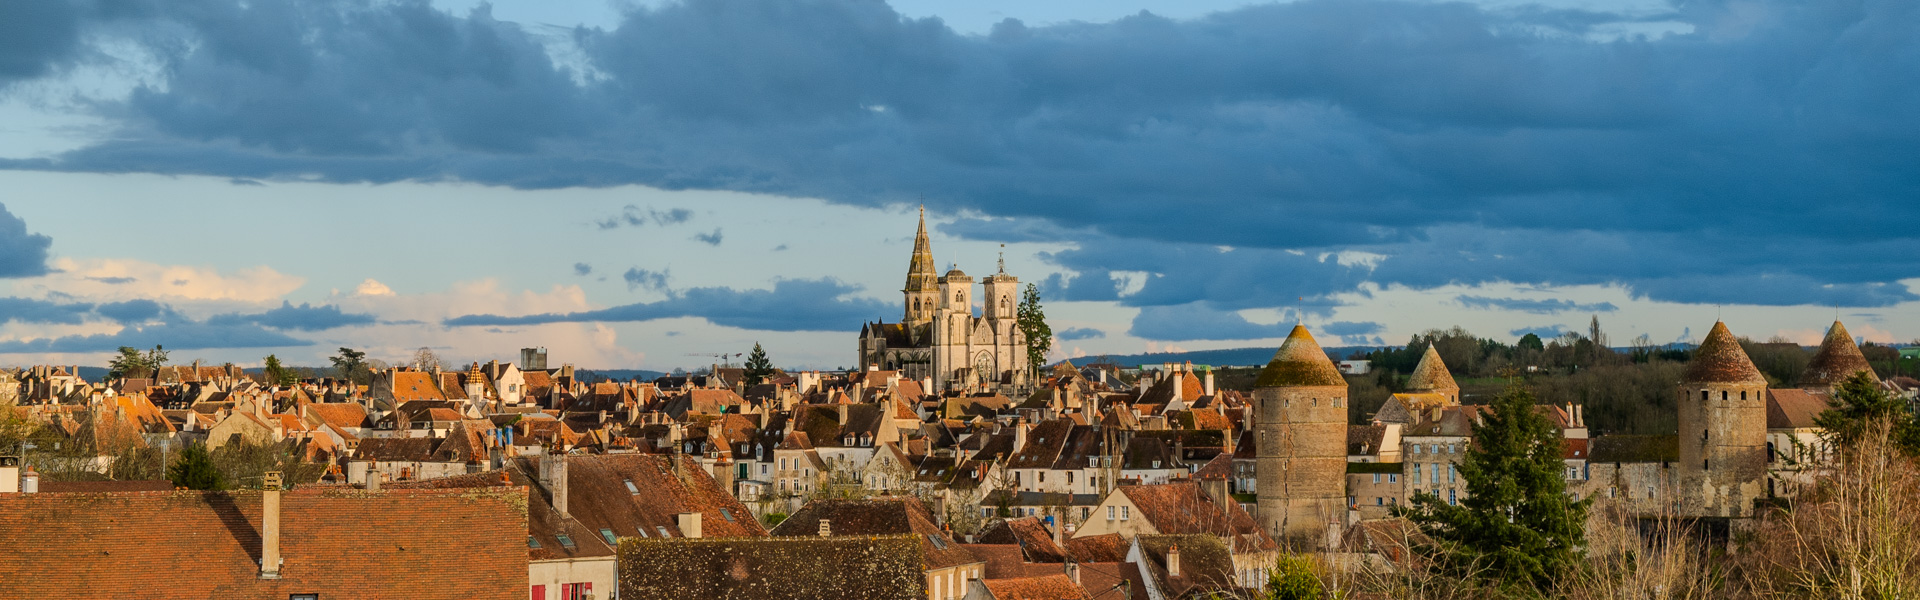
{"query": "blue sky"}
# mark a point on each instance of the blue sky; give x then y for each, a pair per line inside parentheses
(635, 183)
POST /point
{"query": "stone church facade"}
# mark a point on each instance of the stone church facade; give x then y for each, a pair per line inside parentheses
(941, 338)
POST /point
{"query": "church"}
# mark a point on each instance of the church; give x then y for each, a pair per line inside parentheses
(941, 337)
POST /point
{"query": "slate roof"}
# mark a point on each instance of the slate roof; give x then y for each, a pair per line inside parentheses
(336, 543)
(1720, 359)
(1300, 362)
(881, 567)
(1045, 443)
(1837, 359)
(880, 516)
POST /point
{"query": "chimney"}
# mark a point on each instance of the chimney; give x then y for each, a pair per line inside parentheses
(30, 481)
(270, 527)
(1019, 435)
(1173, 560)
(1209, 382)
(1580, 415)
(553, 476)
(826, 528)
(690, 524)
(1073, 571)
(373, 477)
(843, 413)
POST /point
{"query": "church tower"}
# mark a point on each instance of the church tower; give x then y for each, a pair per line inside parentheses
(1301, 451)
(922, 291)
(1723, 429)
(1838, 359)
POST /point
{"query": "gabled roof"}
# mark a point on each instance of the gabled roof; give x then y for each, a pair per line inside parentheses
(1793, 408)
(599, 497)
(1105, 548)
(1045, 587)
(544, 524)
(415, 385)
(340, 414)
(1182, 508)
(886, 567)
(1205, 564)
(1837, 359)
(1720, 359)
(1044, 445)
(1029, 534)
(1300, 362)
(336, 543)
(1364, 440)
(889, 515)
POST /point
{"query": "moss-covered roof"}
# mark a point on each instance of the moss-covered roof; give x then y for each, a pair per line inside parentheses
(1300, 362)
(1634, 449)
(1431, 374)
(1720, 359)
(862, 566)
(1837, 359)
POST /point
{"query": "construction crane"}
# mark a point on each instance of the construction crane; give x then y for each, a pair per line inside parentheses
(724, 357)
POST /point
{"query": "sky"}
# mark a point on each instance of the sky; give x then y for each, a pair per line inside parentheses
(643, 184)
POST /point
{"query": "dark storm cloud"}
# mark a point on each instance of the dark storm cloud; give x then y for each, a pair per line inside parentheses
(27, 310)
(133, 311)
(175, 336)
(634, 216)
(792, 305)
(304, 317)
(1078, 333)
(1764, 157)
(22, 254)
(37, 36)
(1535, 306)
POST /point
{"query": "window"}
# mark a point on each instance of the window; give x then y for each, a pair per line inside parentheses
(1436, 473)
(1125, 512)
(727, 514)
(1703, 395)
(1453, 473)
(564, 540)
(539, 592)
(303, 597)
(532, 543)
(1376, 478)
(1109, 513)
(663, 531)
(575, 591)
(608, 535)
(1379, 501)
(1416, 472)
(1043, 477)
(1433, 449)
(631, 488)
(1449, 448)
(1069, 477)
(1416, 448)
(1723, 394)
(938, 542)
(1451, 499)
(1393, 478)
(763, 469)
(643, 531)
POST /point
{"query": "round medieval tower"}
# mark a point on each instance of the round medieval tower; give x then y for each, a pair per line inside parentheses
(1723, 430)
(1838, 359)
(1301, 451)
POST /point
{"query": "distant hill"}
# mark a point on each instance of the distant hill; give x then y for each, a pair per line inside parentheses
(621, 374)
(1244, 357)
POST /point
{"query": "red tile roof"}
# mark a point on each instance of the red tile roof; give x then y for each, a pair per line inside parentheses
(1050, 587)
(1793, 408)
(336, 543)
(1720, 359)
(415, 385)
(1182, 508)
(1837, 359)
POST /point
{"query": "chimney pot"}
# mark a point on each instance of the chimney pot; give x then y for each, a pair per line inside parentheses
(270, 527)
(1173, 561)
(826, 528)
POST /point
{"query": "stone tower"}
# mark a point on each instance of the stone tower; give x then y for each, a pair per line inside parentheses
(1837, 359)
(1723, 430)
(1431, 377)
(922, 291)
(1302, 445)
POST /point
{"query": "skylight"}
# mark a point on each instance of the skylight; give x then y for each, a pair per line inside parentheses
(564, 540)
(532, 543)
(938, 543)
(608, 534)
(728, 514)
(631, 489)
(663, 531)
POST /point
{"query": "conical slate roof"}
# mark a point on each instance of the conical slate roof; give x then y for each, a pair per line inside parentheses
(1300, 362)
(1837, 359)
(1431, 375)
(920, 273)
(1719, 359)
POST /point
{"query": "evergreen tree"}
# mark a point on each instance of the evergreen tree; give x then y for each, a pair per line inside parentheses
(352, 365)
(759, 369)
(1033, 324)
(278, 374)
(1517, 522)
(1858, 404)
(1292, 578)
(195, 470)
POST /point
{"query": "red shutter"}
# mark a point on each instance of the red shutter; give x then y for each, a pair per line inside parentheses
(539, 592)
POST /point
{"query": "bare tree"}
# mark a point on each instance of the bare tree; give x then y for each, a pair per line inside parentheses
(425, 360)
(1852, 536)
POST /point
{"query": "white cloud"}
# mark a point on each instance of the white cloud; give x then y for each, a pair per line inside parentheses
(109, 279)
(371, 287)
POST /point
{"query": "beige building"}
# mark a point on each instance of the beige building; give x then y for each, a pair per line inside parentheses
(941, 339)
(1301, 403)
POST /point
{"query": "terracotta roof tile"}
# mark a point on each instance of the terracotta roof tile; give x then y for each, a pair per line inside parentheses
(1720, 359)
(336, 543)
(1793, 408)
(1837, 359)
(1048, 587)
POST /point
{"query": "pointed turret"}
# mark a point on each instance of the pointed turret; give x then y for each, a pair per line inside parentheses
(1837, 359)
(1431, 376)
(1300, 362)
(1720, 359)
(920, 271)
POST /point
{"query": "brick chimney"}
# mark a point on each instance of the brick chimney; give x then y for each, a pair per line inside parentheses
(1173, 560)
(1073, 571)
(689, 524)
(826, 528)
(270, 527)
(553, 476)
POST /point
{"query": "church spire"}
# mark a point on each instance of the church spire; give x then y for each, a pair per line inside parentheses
(920, 271)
